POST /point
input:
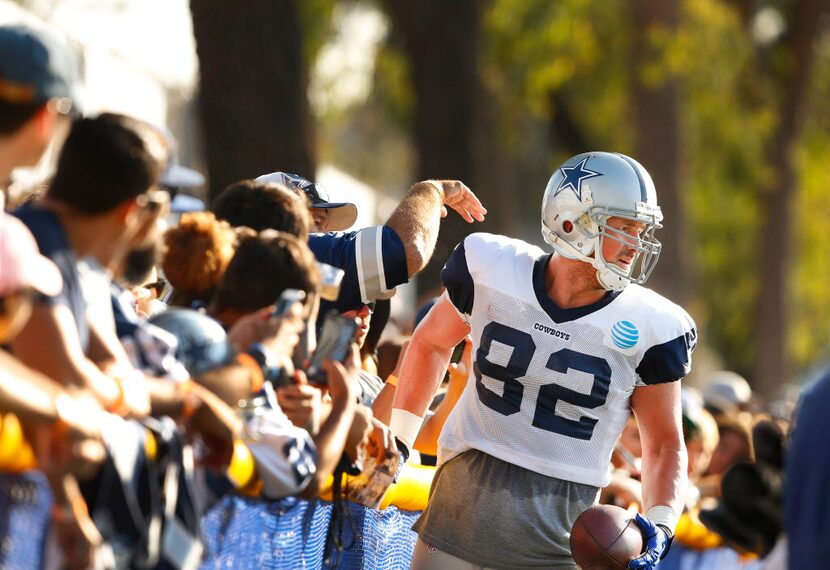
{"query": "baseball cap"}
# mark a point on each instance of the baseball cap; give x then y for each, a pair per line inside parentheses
(21, 264)
(176, 176)
(35, 66)
(727, 391)
(341, 215)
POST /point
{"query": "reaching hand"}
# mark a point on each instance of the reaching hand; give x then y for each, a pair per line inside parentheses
(279, 335)
(342, 378)
(301, 403)
(73, 444)
(461, 199)
(380, 440)
(657, 539)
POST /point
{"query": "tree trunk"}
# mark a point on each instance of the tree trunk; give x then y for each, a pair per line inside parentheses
(441, 40)
(772, 367)
(658, 146)
(254, 79)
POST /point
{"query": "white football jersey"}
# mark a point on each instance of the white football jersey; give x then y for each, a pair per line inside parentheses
(550, 387)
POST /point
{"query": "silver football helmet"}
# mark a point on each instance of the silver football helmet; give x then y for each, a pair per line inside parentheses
(582, 194)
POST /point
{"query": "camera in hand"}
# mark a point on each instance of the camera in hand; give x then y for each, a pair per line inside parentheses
(334, 343)
(286, 299)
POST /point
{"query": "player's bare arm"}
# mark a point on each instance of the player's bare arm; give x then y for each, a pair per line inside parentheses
(417, 218)
(657, 409)
(423, 367)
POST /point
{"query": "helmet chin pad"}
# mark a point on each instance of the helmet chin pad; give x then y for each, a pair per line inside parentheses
(608, 279)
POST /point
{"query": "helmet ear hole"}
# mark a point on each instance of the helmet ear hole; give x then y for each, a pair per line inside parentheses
(567, 226)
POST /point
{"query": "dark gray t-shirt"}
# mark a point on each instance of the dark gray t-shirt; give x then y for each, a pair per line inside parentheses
(499, 515)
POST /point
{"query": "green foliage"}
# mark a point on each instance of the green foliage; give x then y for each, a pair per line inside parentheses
(809, 338)
(315, 20)
(723, 146)
(576, 48)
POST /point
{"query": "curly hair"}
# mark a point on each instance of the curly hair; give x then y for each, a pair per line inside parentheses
(199, 250)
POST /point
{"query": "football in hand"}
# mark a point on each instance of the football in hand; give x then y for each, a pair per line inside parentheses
(605, 537)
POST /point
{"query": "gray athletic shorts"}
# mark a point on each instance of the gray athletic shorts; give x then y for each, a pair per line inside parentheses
(498, 515)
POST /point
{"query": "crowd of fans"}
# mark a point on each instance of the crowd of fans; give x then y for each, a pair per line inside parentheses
(156, 404)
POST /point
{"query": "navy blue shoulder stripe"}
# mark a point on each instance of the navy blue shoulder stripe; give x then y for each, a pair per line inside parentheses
(457, 279)
(669, 361)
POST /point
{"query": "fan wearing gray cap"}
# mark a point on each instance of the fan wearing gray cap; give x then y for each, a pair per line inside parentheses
(28, 398)
(328, 216)
(37, 77)
(375, 259)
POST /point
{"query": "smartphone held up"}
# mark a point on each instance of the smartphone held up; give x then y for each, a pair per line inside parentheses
(334, 343)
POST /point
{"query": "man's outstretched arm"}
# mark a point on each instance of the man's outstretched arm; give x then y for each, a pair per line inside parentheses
(417, 218)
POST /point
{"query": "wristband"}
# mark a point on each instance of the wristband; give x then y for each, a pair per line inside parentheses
(392, 380)
(663, 515)
(405, 426)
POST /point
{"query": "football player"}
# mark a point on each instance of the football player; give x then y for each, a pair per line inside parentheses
(565, 343)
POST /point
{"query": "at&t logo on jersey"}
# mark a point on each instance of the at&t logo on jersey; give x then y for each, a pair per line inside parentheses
(624, 334)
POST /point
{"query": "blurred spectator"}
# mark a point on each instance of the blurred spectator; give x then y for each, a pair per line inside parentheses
(726, 392)
(749, 515)
(264, 205)
(263, 266)
(389, 352)
(101, 204)
(197, 254)
(65, 427)
(807, 494)
(328, 216)
(24, 273)
(700, 431)
(734, 444)
(37, 76)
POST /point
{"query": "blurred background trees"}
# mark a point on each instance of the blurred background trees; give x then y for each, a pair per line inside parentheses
(724, 101)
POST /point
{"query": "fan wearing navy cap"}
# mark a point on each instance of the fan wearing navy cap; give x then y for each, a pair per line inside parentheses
(37, 74)
(375, 259)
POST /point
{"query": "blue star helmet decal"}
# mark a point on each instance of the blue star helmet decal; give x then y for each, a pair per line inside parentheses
(573, 177)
